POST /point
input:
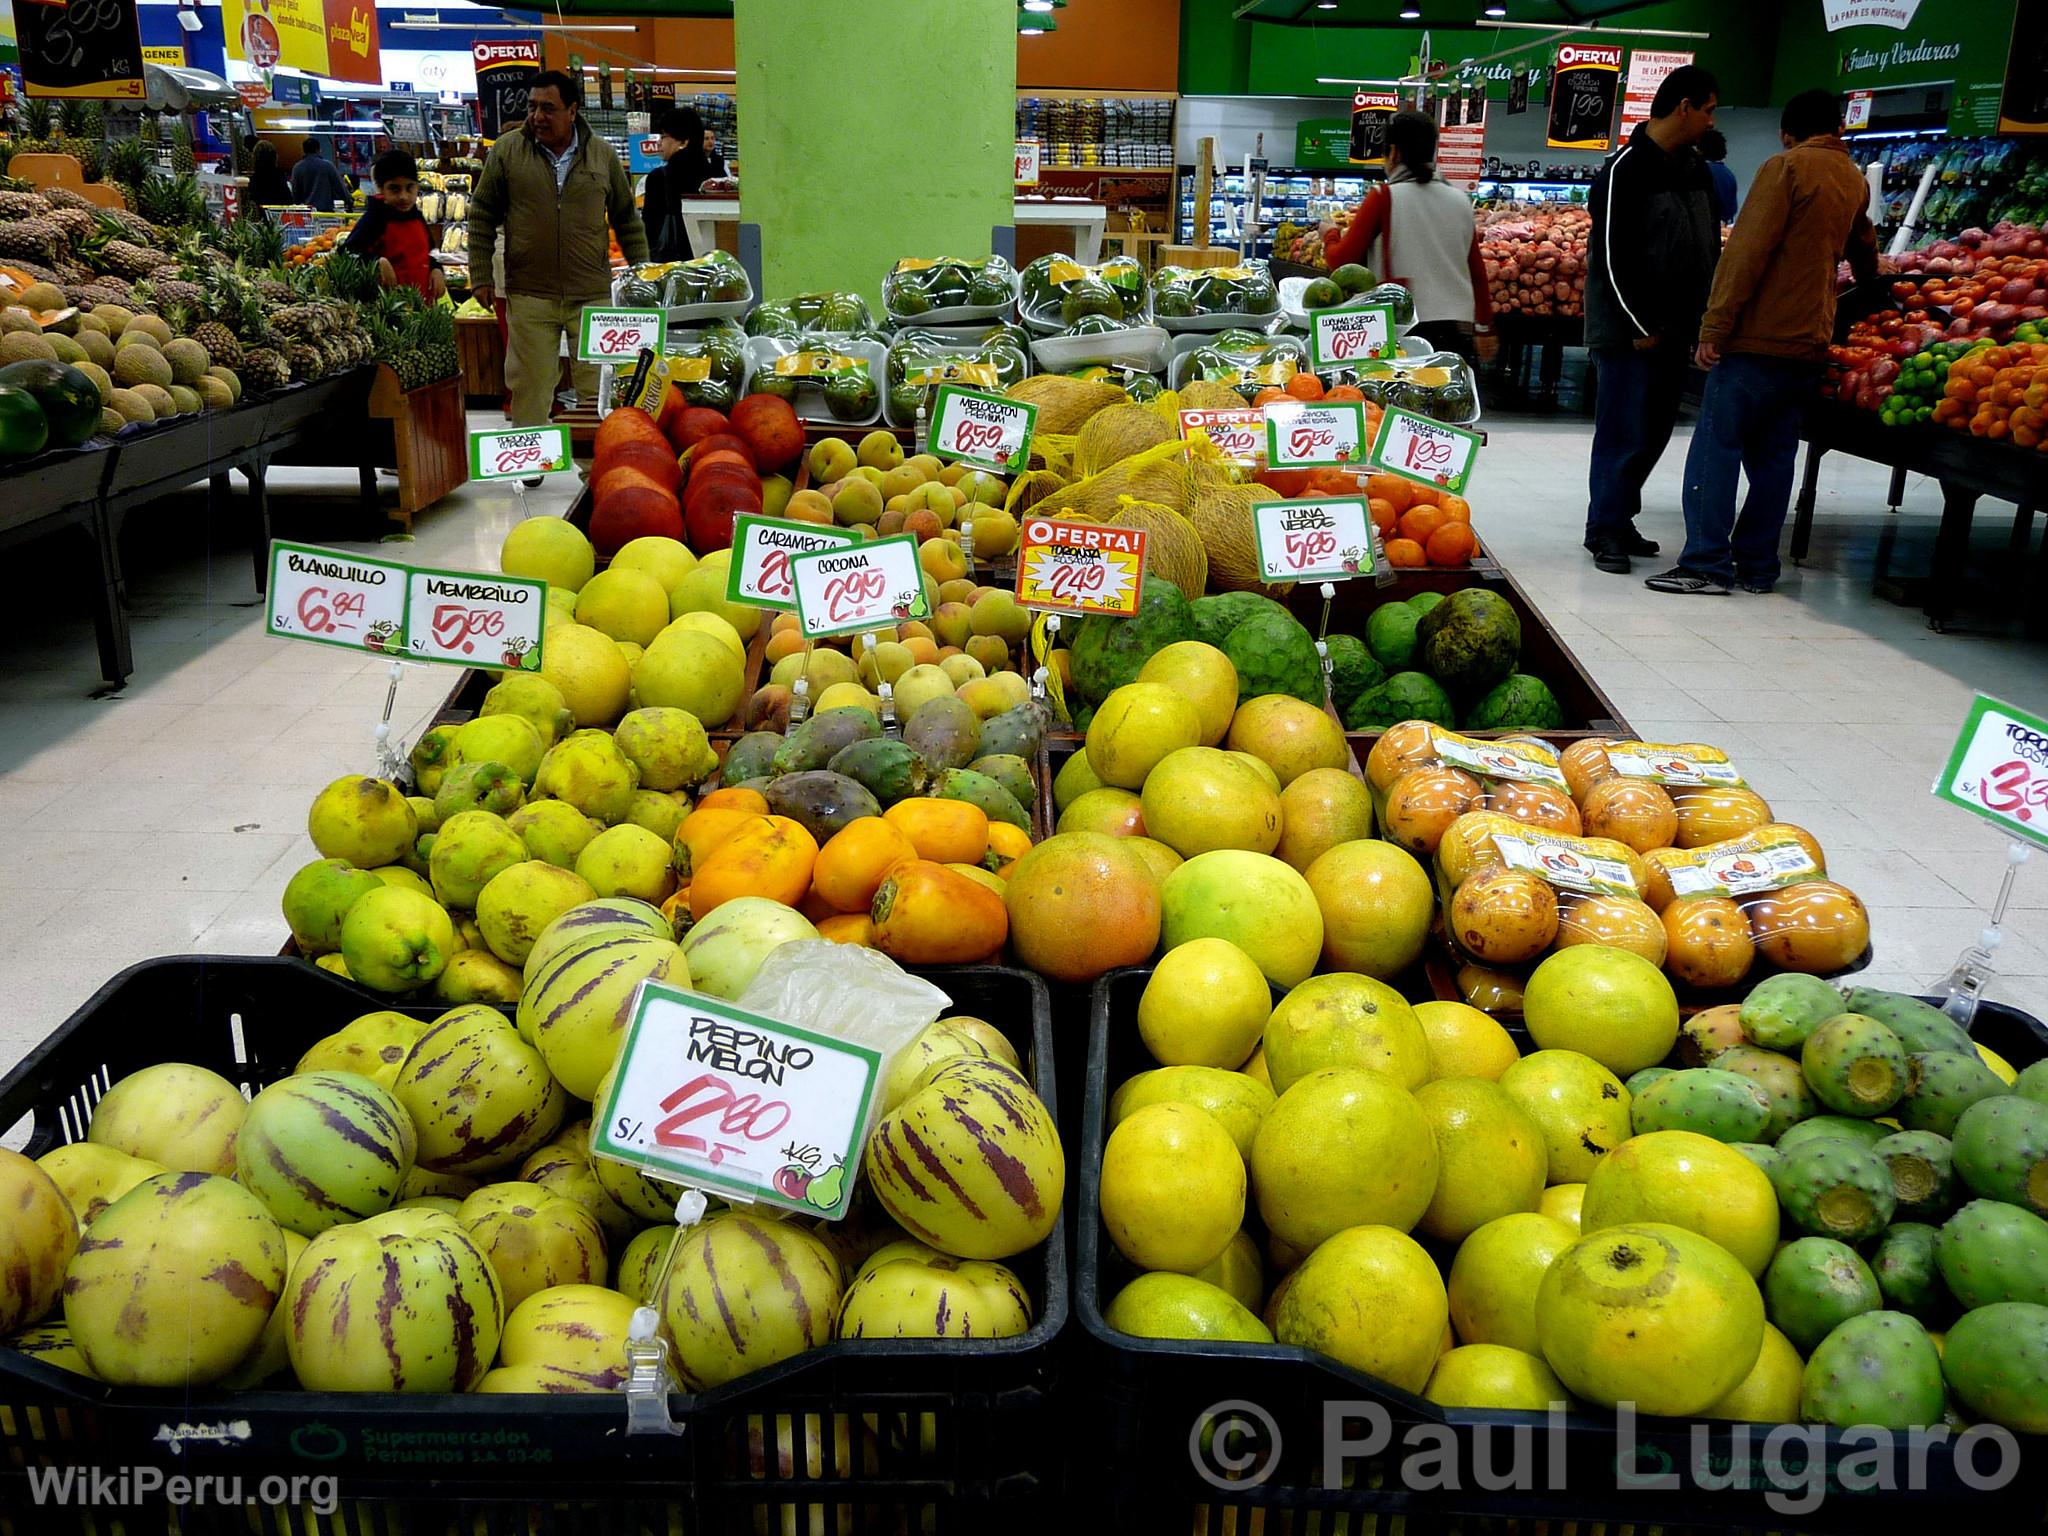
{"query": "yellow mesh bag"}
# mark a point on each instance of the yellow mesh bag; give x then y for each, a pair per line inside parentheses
(1172, 547)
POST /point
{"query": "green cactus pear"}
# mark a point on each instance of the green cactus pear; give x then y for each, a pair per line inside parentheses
(1781, 1011)
(1919, 1026)
(1903, 1262)
(812, 744)
(1764, 1157)
(1995, 1361)
(1854, 1065)
(1813, 1286)
(1700, 1099)
(2001, 1151)
(1784, 1085)
(1879, 1368)
(1921, 1175)
(1639, 1082)
(1864, 1133)
(1990, 1251)
(749, 757)
(1940, 1086)
(1707, 1034)
(2032, 1083)
(1835, 1189)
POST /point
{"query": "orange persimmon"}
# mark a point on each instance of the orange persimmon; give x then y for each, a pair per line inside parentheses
(856, 859)
(943, 831)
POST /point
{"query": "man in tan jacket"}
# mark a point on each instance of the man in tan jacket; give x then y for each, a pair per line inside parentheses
(1765, 339)
(551, 186)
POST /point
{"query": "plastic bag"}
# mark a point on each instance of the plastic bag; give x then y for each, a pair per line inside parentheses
(832, 380)
(940, 290)
(1245, 361)
(1055, 291)
(708, 367)
(1184, 294)
(1424, 778)
(1514, 891)
(814, 314)
(920, 361)
(1440, 385)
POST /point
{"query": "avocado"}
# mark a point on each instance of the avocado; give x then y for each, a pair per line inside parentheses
(1090, 296)
(1354, 279)
(1321, 293)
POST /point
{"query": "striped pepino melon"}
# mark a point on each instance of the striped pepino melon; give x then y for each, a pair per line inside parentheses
(322, 1148)
(576, 1009)
(604, 918)
(1172, 547)
(909, 1291)
(970, 1161)
(743, 1293)
(534, 1238)
(480, 1097)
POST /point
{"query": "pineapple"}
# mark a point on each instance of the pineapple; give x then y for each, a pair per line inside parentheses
(264, 369)
(126, 163)
(79, 226)
(125, 260)
(305, 362)
(183, 163)
(31, 239)
(64, 197)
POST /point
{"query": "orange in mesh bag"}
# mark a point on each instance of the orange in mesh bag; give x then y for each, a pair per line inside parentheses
(1424, 778)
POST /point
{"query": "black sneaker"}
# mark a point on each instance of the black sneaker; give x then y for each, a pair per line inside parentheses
(1612, 559)
(1679, 579)
(1632, 543)
(1752, 584)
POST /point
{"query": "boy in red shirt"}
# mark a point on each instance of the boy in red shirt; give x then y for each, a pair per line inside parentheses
(393, 232)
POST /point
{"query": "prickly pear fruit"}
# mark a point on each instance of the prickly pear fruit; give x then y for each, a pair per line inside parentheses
(1783, 1084)
(1940, 1086)
(1639, 1082)
(1717, 1104)
(1781, 1011)
(1708, 1033)
(1921, 1176)
(1880, 1368)
(1863, 1133)
(1815, 1285)
(1903, 1262)
(2001, 1151)
(1919, 1026)
(1854, 1065)
(1995, 1361)
(1989, 1251)
(1835, 1189)
(2031, 1083)
(1764, 1157)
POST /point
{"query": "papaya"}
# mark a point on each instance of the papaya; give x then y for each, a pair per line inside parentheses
(821, 801)
(768, 856)
(813, 744)
(978, 789)
(927, 914)
(749, 757)
(1010, 771)
(890, 770)
(851, 867)
(1015, 732)
(943, 831)
(946, 731)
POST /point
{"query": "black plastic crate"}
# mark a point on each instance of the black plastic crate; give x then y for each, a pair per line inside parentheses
(858, 1435)
(1452, 1472)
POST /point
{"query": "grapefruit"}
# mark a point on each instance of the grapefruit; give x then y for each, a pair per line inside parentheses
(1074, 780)
(1172, 1188)
(1202, 675)
(590, 671)
(702, 590)
(1159, 859)
(1206, 1005)
(1262, 768)
(1491, 1159)
(1376, 903)
(1564, 1202)
(1256, 902)
(668, 561)
(1112, 812)
(1369, 1298)
(1609, 1004)
(1494, 1376)
(690, 670)
(1690, 1181)
(548, 549)
(1496, 1274)
(1137, 726)
(625, 604)
(1080, 905)
(1581, 1106)
(1345, 1020)
(1235, 1100)
(1343, 1148)
(1319, 810)
(1197, 800)
(1239, 1270)
(1289, 735)
(1769, 1394)
(1463, 1042)
(1170, 1306)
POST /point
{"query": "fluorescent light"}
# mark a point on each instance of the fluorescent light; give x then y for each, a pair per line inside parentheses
(1037, 5)
(1326, 5)
(1031, 31)
(1496, 10)
(1410, 13)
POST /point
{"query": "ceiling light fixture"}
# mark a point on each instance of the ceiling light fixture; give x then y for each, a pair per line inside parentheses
(1496, 10)
(1326, 5)
(1037, 5)
(1410, 13)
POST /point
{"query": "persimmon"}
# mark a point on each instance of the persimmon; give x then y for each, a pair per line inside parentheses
(1456, 508)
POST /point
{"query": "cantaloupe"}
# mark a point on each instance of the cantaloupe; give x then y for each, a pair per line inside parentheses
(1065, 404)
(1116, 434)
(1222, 517)
(1172, 547)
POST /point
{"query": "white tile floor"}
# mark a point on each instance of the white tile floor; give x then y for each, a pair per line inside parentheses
(167, 817)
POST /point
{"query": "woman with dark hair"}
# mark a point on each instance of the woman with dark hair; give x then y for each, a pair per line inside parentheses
(684, 168)
(267, 186)
(1419, 232)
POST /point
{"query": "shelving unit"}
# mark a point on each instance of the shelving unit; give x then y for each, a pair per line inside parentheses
(1088, 130)
(1292, 196)
(1524, 189)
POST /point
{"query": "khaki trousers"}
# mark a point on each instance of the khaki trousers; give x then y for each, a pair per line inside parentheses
(534, 327)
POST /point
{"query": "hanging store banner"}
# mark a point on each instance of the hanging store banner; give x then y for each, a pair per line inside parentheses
(1868, 13)
(1583, 86)
(336, 39)
(504, 72)
(86, 50)
(1646, 71)
(1371, 111)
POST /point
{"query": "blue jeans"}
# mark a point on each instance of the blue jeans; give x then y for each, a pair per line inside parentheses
(1749, 420)
(1634, 409)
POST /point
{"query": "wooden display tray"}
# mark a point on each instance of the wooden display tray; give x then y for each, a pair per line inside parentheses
(429, 438)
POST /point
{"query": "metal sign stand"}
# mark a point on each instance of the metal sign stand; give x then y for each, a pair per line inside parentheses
(1963, 988)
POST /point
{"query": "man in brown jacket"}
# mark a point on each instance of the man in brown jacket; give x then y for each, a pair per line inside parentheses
(1765, 339)
(552, 186)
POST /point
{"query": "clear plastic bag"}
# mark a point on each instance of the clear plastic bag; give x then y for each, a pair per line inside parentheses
(920, 361)
(947, 289)
(1424, 778)
(1516, 891)
(1056, 291)
(833, 380)
(1439, 385)
(1206, 298)
(708, 367)
(713, 285)
(814, 314)
(1246, 361)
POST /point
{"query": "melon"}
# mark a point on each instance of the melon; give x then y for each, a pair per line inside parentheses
(1173, 549)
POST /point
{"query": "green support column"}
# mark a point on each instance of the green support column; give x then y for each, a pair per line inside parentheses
(873, 129)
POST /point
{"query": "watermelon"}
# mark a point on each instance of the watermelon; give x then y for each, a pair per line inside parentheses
(70, 403)
(1469, 642)
(23, 427)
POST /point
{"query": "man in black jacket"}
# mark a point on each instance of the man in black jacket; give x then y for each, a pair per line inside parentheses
(1650, 258)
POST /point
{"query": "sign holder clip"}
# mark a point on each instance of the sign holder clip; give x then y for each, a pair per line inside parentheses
(648, 1378)
(389, 764)
(1963, 988)
(1038, 675)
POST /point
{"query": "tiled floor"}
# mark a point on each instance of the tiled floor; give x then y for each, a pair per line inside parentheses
(168, 816)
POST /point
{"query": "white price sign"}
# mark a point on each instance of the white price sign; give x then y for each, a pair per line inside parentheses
(1027, 162)
(1314, 540)
(336, 599)
(1999, 769)
(1338, 337)
(1425, 451)
(1300, 436)
(875, 585)
(710, 1095)
(468, 619)
(984, 430)
(518, 455)
(761, 551)
(617, 335)
(1237, 435)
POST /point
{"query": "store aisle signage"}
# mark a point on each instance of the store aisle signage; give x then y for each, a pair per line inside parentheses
(875, 585)
(1338, 337)
(1371, 111)
(1998, 769)
(505, 68)
(1238, 435)
(614, 335)
(1071, 567)
(1027, 162)
(1583, 85)
(762, 547)
(1461, 149)
(1315, 540)
(708, 1094)
(1300, 436)
(1425, 451)
(1856, 111)
(470, 619)
(335, 39)
(462, 618)
(81, 50)
(987, 431)
(333, 598)
(1647, 68)
(519, 453)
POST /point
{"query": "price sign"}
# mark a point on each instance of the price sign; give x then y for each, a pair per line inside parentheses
(987, 431)
(336, 599)
(519, 454)
(761, 551)
(1067, 567)
(1856, 114)
(1315, 540)
(1337, 337)
(1237, 435)
(1300, 436)
(1999, 769)
(614, 335)
(1027, 162)
(468, 619)
(710, 1095)
(874, 585)
(1425, 451)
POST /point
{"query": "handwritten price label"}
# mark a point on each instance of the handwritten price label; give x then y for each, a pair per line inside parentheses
(467, 619)
(1338, 337)
(1999, 769)
(761, 549)
(1314, 540)
(334, 598)
(842, 591)
(707, 1094)
(1080, 567)
(1028, 160)
(1425, 451)
(984, 430)
(1237, 435)
(617, 335)
(518, 455)
(1302, 436)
